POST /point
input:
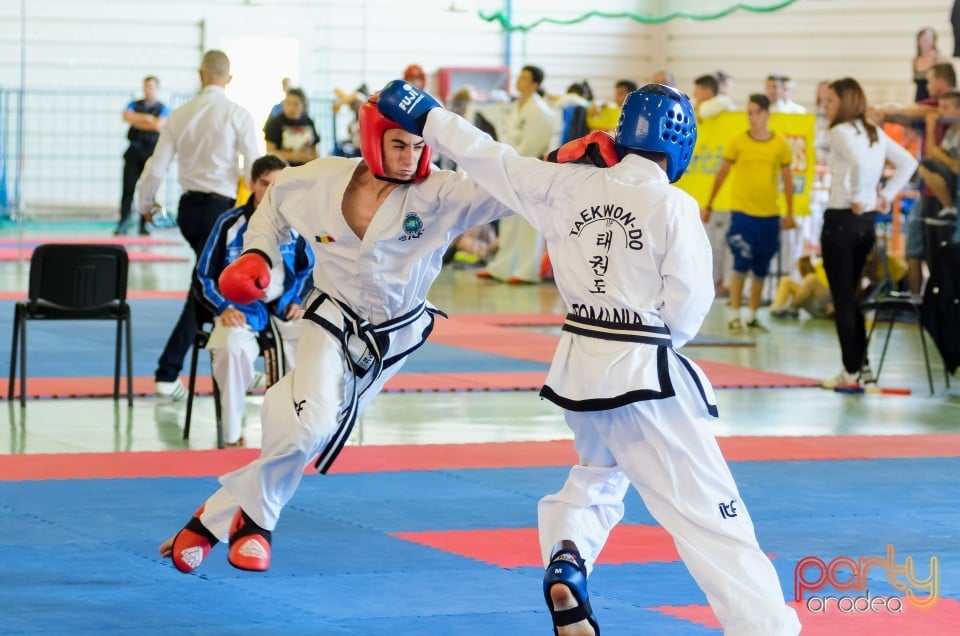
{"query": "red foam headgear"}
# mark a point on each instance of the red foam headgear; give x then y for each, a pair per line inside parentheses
(412, 72)
(372, 127)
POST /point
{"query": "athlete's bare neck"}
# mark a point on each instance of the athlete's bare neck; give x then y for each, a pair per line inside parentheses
(362, 198)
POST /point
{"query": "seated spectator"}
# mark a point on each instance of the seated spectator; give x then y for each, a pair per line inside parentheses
(574, 106)
(291, 135)
(474, 247)
(941, 78)
(881, 277)
(580, 90)
(604, 115)
(707, 98)
(940, 166)
(708, 102)
(415, 75)
(724, 83)
(811, 293)
(927, 55)
(621, 89)
(777, 89)
(664, 77)
(349, 147)
(285, 85)
(233, 342)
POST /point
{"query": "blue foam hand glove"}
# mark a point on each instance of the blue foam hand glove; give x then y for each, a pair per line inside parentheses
(406, 105)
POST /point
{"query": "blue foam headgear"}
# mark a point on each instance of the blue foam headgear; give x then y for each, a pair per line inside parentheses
(658, 118)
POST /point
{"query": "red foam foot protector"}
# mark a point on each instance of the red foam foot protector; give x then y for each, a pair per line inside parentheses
(249, 544)
(192, 544)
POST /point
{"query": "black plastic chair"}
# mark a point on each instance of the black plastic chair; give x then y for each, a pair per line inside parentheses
(888, 308)
(272, 363)
(75, 282)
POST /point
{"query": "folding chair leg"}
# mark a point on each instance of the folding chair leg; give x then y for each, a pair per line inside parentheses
(886, 343)
(117, 348)
(219, 415)
(13, 351)
(926, 356)
(191, 389)
(23, 360)
(866, 348)
(129, 362)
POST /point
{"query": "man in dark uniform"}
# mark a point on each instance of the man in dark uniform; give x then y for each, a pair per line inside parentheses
(145, 116)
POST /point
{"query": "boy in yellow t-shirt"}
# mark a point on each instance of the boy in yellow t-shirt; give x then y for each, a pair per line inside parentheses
(759, 155)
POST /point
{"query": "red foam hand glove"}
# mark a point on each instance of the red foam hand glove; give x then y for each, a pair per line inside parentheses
(598, 149)
(244, 280)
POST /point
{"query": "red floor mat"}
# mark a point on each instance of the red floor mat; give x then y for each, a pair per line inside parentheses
(485, 333)
(520, 547)
(723, 376)
(370, 459)
(12, 254)
(469, 332)
(142, 241)
(132, 294)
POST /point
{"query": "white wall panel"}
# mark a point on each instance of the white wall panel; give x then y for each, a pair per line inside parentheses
(108, 44)
(105, 47)
(812, 40)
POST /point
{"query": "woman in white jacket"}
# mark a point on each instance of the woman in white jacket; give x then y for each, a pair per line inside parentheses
(858, 152)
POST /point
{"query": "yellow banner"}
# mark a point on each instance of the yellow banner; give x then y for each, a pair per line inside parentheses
(715, 133)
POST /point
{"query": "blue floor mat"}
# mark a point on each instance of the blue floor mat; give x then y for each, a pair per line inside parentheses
(86, 348)
(80, 555)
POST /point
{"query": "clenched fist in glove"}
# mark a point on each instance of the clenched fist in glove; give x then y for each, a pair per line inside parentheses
(244, 280)
(407, 105)
(598, 149)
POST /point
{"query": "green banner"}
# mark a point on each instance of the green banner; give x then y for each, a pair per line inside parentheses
(655, 12)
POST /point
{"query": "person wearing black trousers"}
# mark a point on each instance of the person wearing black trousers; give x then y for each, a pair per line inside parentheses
(146, 117)
(858, 152)
(208, 135)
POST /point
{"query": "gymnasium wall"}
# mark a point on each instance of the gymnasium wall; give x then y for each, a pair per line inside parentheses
(84, 60)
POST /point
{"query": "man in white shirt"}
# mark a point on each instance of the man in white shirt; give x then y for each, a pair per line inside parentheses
(212, 138)
(529, 130)
(777, 88)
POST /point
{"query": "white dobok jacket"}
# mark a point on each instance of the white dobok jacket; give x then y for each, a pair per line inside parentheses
(630, 257)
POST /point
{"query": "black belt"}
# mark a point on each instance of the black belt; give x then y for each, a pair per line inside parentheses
(195, 194)
(372, 362)
(623, 332)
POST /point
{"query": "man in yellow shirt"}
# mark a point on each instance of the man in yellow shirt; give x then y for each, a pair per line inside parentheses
(759, 155)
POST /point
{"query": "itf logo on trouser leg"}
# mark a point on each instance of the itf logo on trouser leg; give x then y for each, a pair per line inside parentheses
(728, 510)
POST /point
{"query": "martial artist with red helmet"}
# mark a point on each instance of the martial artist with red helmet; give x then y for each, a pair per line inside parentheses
(378, 228)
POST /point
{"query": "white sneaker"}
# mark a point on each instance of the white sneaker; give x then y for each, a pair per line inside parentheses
(172, 391)
(735, 326)
(866, 375)
(841, 379)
